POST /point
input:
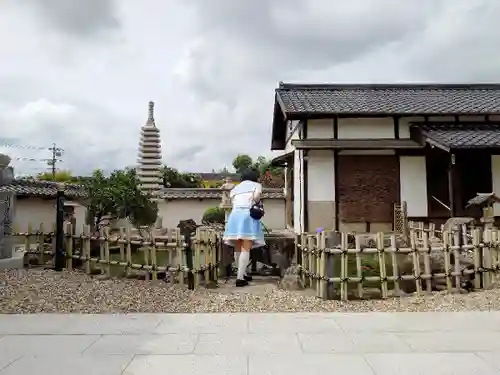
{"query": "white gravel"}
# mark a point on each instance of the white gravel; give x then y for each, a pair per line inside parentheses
(38, 290)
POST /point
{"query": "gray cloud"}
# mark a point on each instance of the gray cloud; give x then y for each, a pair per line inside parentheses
(78, 18)
(211, 66)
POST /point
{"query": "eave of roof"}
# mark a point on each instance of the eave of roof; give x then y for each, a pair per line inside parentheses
(463, 135)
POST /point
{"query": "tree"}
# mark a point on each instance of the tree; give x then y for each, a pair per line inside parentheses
(172, 178)
(270, 176)
(60, 176)
(214, 215)
(242, 162)
(120, 197)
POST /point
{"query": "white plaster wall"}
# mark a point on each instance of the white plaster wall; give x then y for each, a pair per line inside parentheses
(320, 128)
(413, 184)
(182, 209)
(321, 176)
(34, 211)
(495, 176)
(298, 187)
(37, 211)
(356, 128)
(404, 125)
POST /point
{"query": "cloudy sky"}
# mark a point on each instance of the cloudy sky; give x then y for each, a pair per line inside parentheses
(80, 73)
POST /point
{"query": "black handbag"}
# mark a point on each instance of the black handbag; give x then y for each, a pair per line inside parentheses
(257, 211)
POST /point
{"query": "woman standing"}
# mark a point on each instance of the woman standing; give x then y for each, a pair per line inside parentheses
(242, 231)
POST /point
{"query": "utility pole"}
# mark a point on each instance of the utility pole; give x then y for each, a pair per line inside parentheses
(56, 153)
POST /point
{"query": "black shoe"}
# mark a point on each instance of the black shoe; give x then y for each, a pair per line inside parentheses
(247, 278)
(240, 283)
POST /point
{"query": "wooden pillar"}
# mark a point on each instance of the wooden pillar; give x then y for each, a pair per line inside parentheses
(451, 185)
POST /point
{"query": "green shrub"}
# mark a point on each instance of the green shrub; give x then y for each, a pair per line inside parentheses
(214, 215)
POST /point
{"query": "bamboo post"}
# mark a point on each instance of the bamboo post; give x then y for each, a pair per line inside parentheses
(427, 263)
(197, 258)
(359, 266)
(395, 268)
(172, 235)
(456, 255)
(317, 264)
(432, 231)
(465, 237)
(381, 260)
(27, 242)
(128, 250)
(145, 254)
(495, 258)
(214, 246)
(180, 257)
(121, 245)
(41, 244)
(305, 261)
(86, 248)
(312, 250)
(69, 246)
(416, 264)
(487, 275)
(107, 255)
(322, 268)
(206, 256)
(343, 267)
(154, 270)
(476, 243)
(447, 262)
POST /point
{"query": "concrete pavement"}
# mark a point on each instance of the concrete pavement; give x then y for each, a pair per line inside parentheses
(251, 344)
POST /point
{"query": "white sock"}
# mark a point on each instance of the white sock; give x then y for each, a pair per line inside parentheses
(242, 264)
(236, 258)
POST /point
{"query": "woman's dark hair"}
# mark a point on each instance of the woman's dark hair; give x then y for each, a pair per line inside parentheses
(250, 174)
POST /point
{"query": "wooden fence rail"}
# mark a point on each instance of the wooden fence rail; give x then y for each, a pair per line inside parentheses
(347, 268)
(170, 255)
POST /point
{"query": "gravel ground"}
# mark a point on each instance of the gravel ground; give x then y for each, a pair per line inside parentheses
(37, 290)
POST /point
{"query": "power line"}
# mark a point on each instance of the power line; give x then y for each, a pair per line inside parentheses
(57, 153)
(10, 143)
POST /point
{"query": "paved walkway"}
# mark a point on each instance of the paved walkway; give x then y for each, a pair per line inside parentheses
(253, 344)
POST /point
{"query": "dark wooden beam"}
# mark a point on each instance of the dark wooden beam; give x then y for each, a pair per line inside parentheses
(355, 144)
(451, 185)
(396, 127)
(336, 174)
(306, 180)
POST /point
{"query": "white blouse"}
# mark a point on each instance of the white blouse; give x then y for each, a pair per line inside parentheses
(241, 195)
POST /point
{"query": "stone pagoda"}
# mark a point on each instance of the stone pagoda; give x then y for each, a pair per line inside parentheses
(149, 161)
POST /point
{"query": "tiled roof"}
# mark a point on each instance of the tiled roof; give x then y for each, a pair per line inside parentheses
(47, 189)
(171, 193)
(37, 188)
(389, 99)
(214, 176)
(463, 135)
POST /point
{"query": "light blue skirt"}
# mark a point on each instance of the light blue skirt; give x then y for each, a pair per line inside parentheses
(240, 226)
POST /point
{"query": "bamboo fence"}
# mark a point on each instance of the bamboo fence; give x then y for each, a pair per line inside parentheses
(344, 269)
(181, 263)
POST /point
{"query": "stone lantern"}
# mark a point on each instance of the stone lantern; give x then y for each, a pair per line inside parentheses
(485, 201)
(226, 200)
